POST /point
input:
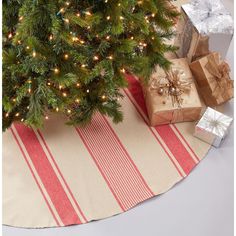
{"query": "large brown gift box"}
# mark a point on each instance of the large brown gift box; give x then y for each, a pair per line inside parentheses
(213, 79)
(172, 96)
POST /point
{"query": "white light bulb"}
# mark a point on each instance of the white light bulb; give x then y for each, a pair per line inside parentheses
(95, 58)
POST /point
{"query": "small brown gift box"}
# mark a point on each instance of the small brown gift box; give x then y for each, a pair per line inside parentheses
(163, 107)
(213, 79)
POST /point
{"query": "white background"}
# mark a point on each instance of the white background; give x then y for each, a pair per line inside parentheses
(201, 205)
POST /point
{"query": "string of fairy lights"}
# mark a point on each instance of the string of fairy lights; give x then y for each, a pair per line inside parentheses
(66, 56)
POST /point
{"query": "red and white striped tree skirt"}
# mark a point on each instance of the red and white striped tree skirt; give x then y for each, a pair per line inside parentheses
(62, 175)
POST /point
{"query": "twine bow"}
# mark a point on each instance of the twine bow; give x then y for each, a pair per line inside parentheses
(221, 77)
(174, 84)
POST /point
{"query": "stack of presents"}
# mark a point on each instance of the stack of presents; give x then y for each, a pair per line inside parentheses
(199, 76)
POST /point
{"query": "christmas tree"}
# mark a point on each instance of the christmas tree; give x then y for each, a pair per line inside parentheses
(72, 56)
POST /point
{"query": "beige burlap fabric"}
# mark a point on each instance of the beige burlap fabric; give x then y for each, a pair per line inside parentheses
(63, 175)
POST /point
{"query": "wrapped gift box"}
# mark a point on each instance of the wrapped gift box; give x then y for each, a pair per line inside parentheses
(177, 4)
(213, 127)
(205, 26)
(213, 79)
(172, 96)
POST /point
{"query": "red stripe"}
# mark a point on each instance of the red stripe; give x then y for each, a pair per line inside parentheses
(128, 156)
(171, 159)
(100, 169)
(166, 133)
(67, 186)
(177, 130)
(113, 161)
(111, 171)
(132, 179)
(105, 169)
(47, 175)
(176, 147)
(50, 209)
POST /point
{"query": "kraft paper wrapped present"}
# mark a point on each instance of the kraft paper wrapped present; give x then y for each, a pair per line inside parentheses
(177, 4)
(205, 26)
(213, 127)
(213, 79)
(171, 96)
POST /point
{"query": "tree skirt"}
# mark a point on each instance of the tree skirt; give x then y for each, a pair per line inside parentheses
(61, 175)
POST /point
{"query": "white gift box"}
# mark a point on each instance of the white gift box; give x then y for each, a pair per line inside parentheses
(205, 26)
(213, 127)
